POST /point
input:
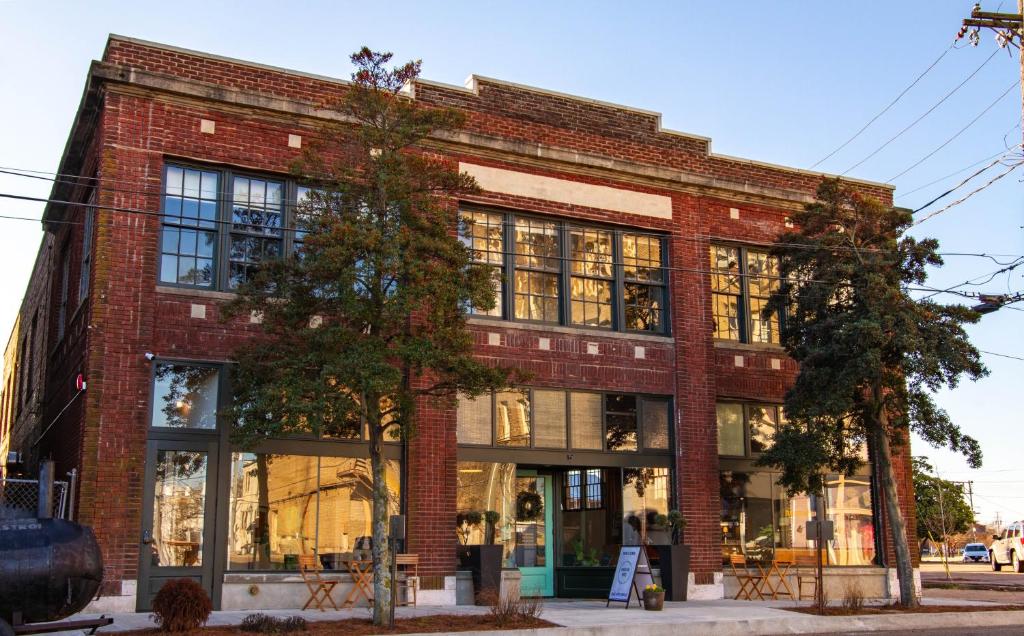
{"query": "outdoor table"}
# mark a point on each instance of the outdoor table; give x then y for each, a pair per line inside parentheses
(780, 574)
(362, 582)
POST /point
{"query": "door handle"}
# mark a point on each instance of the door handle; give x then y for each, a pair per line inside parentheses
(147, 537)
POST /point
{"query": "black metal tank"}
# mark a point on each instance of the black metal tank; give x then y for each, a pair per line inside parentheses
(49, 568)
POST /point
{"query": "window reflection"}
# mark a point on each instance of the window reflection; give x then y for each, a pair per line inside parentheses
(184, 396)
(644, 496)
(179, 499)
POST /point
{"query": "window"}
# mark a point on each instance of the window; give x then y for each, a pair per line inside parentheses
(185, 396)
(645, 494)
(283, 506)
(189, 227)
(555, 419)
(744, 429)
(742, 281)
(219, 226)
(562, 273)
(584, 489)
(87, 231)
(62, 299)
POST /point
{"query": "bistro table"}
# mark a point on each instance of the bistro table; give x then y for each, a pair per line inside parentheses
(362, 582)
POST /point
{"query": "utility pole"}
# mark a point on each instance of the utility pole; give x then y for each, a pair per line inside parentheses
(1009, 29)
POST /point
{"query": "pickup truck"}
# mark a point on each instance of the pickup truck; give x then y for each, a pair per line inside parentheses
(1006, 549)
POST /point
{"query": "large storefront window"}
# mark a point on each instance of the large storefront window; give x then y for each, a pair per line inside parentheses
(283, 506)
(761, 522)
(484, 486)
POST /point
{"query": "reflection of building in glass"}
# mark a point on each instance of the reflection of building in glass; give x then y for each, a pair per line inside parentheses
(178, 508)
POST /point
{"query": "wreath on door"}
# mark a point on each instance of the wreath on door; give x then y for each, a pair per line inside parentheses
(529, 506)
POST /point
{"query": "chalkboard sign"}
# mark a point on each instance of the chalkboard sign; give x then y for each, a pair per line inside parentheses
(632, 573)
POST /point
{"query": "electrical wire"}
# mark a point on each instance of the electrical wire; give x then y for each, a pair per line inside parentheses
(886, 109)
(968, 196)
(958, 186)
(1000, 154)
(957, 134)
(927, 112)
(1002, 355)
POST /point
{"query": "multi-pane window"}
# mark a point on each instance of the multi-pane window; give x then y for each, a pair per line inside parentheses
(553, 418)
(62, 299)
(745, 429)
(219, 226)
(570, 274)
(644, 282)
(188, 245)
(538, 264)
(743, 280)
(483, 233)
(256, 219)
(592, 279)
(86, 262)
(584, 489)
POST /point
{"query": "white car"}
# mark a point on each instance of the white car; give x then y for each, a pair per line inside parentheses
(975, 552)
(1007, 549)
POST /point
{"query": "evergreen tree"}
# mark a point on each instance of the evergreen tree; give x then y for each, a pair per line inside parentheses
(368, 317)
(870, 355)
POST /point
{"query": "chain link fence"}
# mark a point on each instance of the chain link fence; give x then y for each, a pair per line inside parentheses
(20, 498)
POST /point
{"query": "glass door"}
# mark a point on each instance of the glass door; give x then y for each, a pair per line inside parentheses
(533, 526)
(177, 516)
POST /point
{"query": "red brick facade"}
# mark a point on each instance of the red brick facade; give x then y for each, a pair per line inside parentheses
(144, 104)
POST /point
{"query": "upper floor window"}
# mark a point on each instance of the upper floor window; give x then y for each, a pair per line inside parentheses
(745, 429)
(742, 281)
(556, 419)
(218, 226)
(87, 231)
(185, 396)
(563, 273)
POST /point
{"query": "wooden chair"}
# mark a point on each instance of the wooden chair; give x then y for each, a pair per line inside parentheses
(319, 588)
(408, 577)
(806, 574)
(749, 579)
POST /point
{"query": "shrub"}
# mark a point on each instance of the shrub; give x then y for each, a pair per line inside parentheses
(853, 596)
(181, 605)
(264, 624)
(511, 609)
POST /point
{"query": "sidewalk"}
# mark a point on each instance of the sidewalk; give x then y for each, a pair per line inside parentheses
(720, 618)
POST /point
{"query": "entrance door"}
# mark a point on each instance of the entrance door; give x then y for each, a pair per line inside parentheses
(177, 516)
(534, 546)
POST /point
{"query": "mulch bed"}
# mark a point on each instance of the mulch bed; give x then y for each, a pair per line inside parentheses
(359, 626)
(896, 609)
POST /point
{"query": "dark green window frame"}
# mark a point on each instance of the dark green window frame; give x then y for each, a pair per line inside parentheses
(633, 280)
(739, 292)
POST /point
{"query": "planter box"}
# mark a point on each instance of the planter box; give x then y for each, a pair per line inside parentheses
(674, 563)
(584, 581)
(484, 561)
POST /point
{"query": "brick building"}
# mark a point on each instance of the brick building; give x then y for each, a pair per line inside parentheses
(634, 260)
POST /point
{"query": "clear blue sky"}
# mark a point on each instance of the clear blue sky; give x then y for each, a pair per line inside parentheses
(783, 82)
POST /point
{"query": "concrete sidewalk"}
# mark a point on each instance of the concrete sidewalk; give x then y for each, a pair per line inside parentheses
(720, 618)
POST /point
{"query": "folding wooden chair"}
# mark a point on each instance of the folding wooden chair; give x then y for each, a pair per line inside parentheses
(319, 588)
(408, 576)
(749, 579)
(806, 574)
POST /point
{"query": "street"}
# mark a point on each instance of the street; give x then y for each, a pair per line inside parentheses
(1012, 630)
(978, 574)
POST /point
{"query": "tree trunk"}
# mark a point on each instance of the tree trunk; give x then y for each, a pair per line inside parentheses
(897, 525)
(261, 531)
(382, 584)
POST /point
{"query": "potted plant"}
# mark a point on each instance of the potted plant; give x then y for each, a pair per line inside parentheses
(674, 558)
(654, 597)
(484, 561)
(491, 518)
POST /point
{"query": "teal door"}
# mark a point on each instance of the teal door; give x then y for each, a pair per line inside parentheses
(534, 546)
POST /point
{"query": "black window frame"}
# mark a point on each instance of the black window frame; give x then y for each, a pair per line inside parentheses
(748, 451)
(564, 227)
(223, 222)
(745, 318)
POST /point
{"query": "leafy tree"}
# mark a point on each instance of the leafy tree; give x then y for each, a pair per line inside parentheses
(939, 518)
(870, 355)
(369, 316)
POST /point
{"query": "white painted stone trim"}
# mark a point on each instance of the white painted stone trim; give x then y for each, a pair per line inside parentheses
(713, 592)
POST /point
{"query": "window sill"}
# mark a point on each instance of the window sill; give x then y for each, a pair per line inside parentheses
(745, 346)
(573, 331)
(195, 293)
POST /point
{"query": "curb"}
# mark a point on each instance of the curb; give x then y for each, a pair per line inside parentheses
(777, 626)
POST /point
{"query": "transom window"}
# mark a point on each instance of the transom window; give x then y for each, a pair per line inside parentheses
(563, 273)
(218, 226)
(556, 419)
(742, 281)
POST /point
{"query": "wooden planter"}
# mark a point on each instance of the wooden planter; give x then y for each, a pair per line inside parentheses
(674, 562)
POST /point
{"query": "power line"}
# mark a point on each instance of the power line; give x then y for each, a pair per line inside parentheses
(969, 195)
(952, 174)
(957, 186)
(1002, 355)
(918, 120)
(957, 134)
(886, 109)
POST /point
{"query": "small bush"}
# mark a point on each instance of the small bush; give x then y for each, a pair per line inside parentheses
(853, 596)
(511, 609)
(264, 624)
(181, 605)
